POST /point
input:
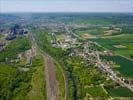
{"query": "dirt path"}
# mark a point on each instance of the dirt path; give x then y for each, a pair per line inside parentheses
(51, 82)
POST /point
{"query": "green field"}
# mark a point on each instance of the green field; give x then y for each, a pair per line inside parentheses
(125, 40)
(92, 31)
(89, 20)
(120, 92)
(126, 66)
(96, 91)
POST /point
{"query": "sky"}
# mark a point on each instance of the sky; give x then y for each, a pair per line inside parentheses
(66, 6)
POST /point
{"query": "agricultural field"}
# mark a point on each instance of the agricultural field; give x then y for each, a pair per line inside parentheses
(119, 92)
(98, 31)
(96, 91)
(126, 68)
(92, 31)
(121, 44)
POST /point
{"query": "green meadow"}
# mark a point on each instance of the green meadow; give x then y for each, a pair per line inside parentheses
(126, 66)
(92, 31)
(124, 40)
(120, 92)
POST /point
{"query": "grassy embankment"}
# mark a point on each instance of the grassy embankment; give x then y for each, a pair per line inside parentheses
(61, 81)
(110, 42)
(38, 84)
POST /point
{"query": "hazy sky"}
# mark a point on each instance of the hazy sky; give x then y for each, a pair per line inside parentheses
(66, 5)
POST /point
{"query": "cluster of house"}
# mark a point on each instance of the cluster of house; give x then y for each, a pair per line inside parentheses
(128, 81)
(85, 52)
(108, 52)
(65, 43)
(90, 55)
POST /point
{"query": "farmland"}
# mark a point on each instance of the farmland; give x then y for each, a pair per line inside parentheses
(92, 31)
(125, 40)
(120, 92)
(125, 68)
(96, 91)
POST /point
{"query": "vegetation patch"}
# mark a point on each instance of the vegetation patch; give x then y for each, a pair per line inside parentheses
(91, 31)
(96, 91)
(38, 83)
(60, 37)
(14, 47)
(61, 81)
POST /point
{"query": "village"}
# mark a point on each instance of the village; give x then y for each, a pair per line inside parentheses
(91, 52)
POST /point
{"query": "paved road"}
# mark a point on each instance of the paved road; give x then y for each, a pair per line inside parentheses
(51, 82)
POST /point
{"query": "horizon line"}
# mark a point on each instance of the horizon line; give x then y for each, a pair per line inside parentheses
(64, 12)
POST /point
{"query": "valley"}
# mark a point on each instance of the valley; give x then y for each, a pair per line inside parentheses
(77, 56)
